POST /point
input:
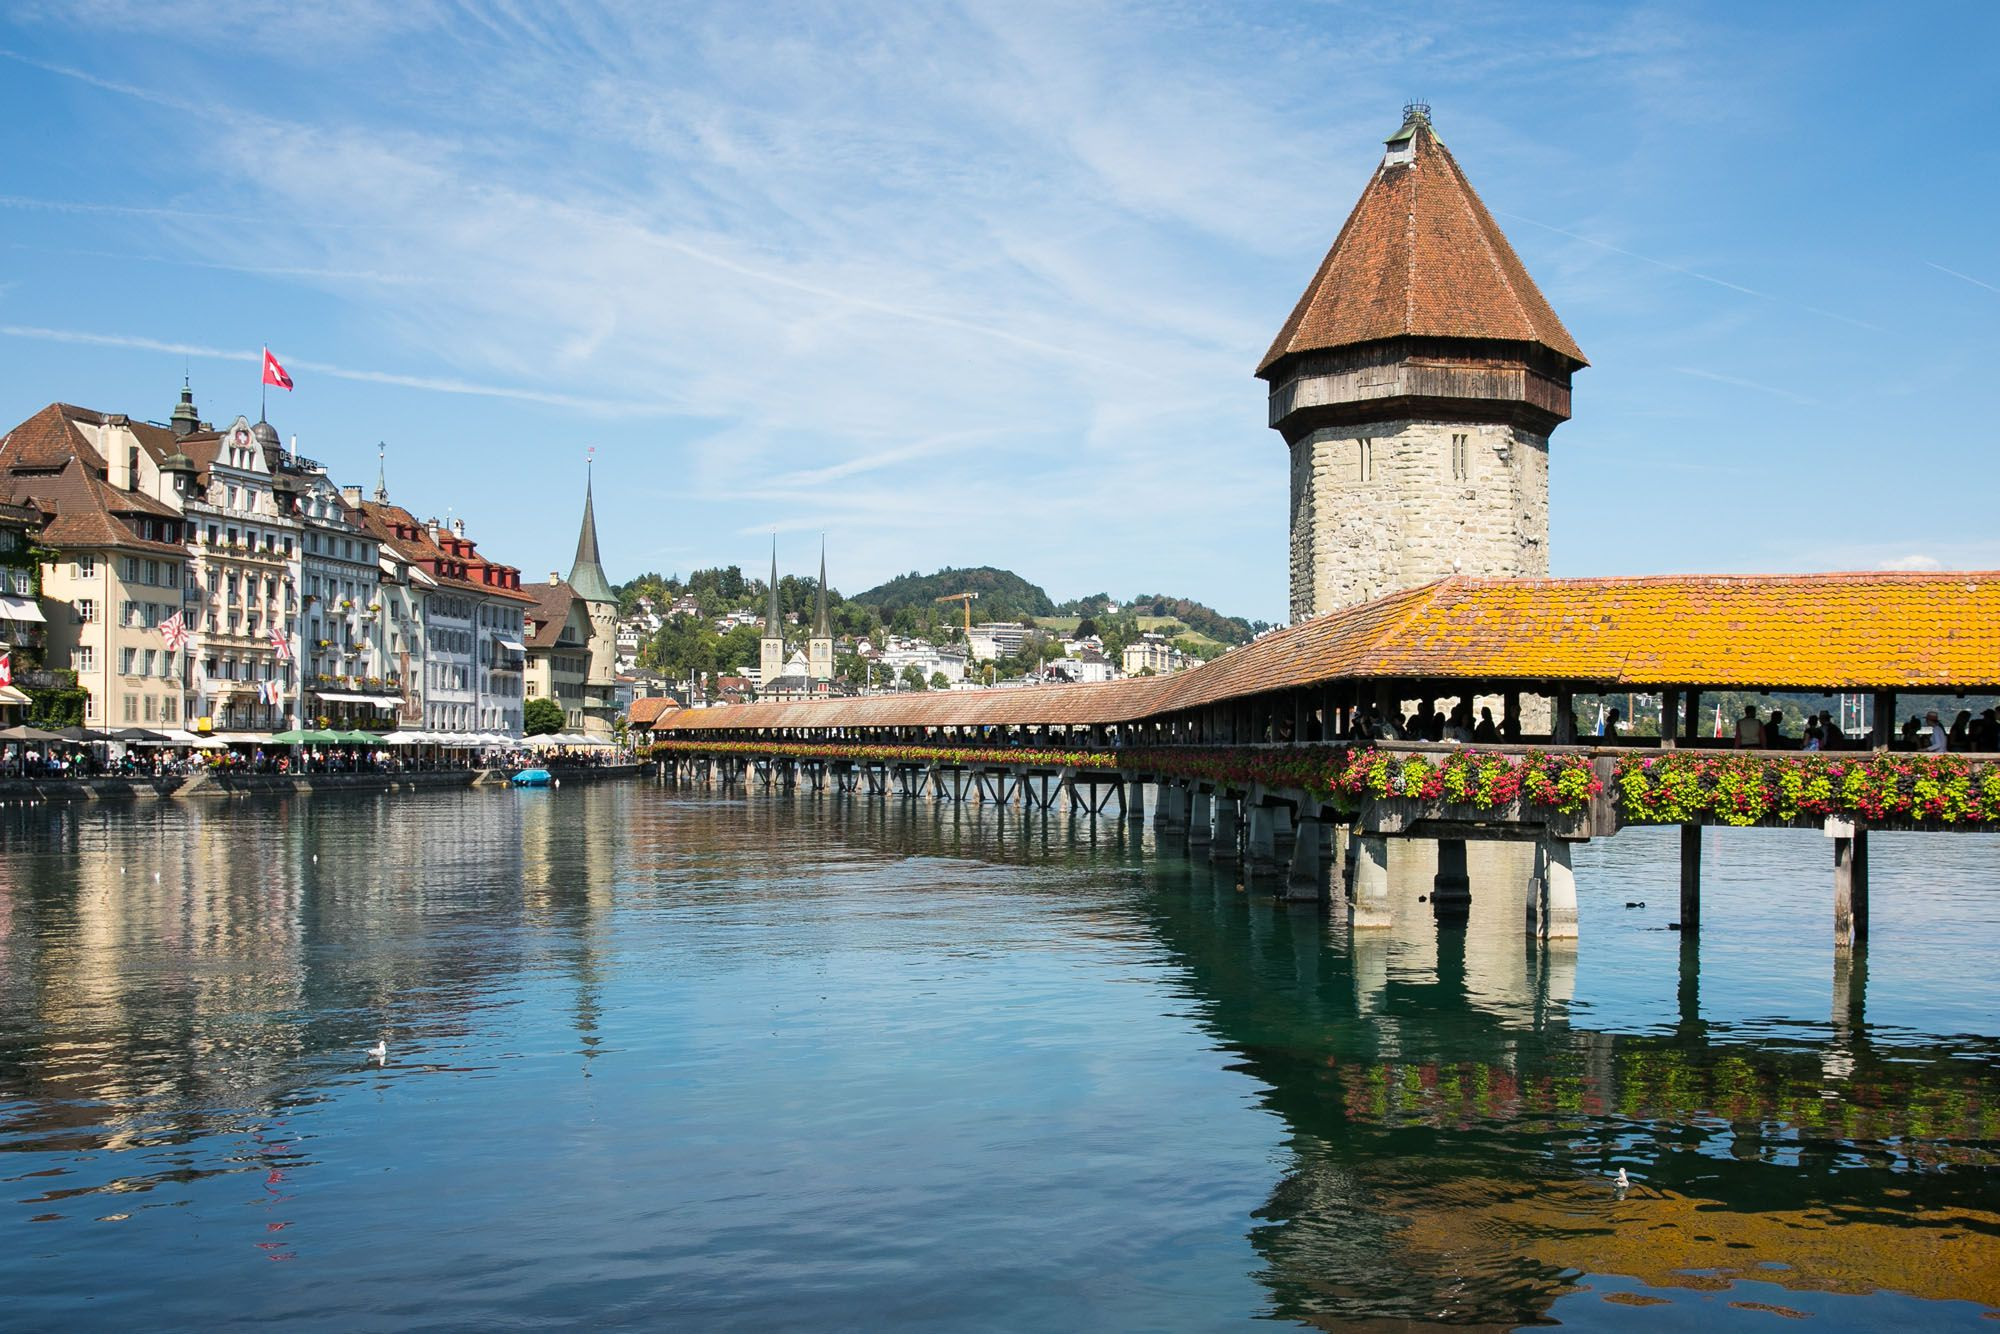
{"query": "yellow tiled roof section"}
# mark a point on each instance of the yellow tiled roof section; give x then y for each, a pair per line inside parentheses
(1820, 631)
(1927, 631)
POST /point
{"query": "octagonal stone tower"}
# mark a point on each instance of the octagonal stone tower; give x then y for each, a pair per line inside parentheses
(1416, 384)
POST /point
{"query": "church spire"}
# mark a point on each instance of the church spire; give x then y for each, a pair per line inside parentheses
(821, 628)
(586, 576)
(774, 618)
(382, 476)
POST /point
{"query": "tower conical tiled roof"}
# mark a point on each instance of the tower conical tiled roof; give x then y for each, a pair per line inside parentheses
(774, 618)
(586, 575)
(821, 628)
(1420, 257)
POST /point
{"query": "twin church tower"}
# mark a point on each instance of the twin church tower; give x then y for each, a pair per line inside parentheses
(1416, 385)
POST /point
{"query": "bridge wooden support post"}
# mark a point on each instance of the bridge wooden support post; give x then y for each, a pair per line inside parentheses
(1132, 796)
(1552, 892)
(1850, 885)
(1451, 888)
(1690, 878)
(1224, 846)
(1369, 907)
(1303, 880)
(1201, 826)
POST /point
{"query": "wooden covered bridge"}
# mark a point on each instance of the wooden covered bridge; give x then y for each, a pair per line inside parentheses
(1273, 740)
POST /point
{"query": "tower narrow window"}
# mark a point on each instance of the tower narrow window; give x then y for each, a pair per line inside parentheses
(1461, 458)
(1366, 456)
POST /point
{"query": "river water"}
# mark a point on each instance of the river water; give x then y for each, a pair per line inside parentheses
(661, 1058)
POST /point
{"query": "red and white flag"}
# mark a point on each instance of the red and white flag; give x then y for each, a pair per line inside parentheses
(174, 630)
(281, 645)
(6, 669)
(274, 373)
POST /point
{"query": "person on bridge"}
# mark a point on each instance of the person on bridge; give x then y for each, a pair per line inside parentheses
(1486, 733)
(1774, 731)
(1749, 732)
(1939, 741)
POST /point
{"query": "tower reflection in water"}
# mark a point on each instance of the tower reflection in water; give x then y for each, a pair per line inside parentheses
(1452, 1102)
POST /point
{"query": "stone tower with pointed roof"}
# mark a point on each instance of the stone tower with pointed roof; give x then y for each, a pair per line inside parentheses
(1416, 385)
(771, 648)
(819, 648)
(587, 582)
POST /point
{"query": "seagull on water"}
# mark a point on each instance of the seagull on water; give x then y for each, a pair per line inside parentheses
(379, 1052)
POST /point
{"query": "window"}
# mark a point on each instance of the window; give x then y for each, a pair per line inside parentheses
(1366, 455)
(125, 661)
(169, 667)
(86, 610)
(170, 709)
(90, 708)
(128, 569)
(86, 567)
(1461, 459)
(131, 708)
(146, 662)
(85, 658)
(24, 583)
(152, 709)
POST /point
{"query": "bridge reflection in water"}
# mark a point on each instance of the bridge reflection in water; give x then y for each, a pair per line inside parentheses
(1451, 1102)
(1454, 1128)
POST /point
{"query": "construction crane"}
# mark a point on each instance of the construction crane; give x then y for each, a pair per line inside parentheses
(967, 599)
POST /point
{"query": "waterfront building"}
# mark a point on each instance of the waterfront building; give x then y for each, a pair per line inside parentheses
(114, 568)
(342, 657)
(453, 623)
(558, 649)
(244, 539)
(1416, 385)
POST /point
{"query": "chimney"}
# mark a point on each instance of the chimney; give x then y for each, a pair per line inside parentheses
(431, 525)
(352, 495)
(458, 528)
(554, 578)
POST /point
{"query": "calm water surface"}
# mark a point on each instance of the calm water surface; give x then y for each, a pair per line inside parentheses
(668, 1058)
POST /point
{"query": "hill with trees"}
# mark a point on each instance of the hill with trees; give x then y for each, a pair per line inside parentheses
(1003, 595)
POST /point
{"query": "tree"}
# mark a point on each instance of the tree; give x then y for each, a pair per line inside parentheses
(541, 716)
(1085, 628)
(939, 681)
(913, 678)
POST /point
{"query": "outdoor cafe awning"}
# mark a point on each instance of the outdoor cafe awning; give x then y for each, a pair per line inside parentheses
(342, 697)
(9, 695)
(514, 644)
(14, 608)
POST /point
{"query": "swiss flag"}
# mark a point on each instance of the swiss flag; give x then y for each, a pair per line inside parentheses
(6, 669)
(274, 373)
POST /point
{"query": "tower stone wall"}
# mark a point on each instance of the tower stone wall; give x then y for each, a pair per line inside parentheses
(1381, 506)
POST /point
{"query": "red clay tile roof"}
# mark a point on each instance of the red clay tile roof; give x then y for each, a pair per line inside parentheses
(1420, 257)
(84, 510)
(645, 712)
(550, 614)
(1866, 631)
(383, 522)
(49, 440)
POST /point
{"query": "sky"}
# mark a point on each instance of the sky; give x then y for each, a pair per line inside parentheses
(986, 284)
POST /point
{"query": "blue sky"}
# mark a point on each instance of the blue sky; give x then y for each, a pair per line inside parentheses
(985, 284)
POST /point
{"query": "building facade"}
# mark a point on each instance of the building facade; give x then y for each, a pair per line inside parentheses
(1416, 385)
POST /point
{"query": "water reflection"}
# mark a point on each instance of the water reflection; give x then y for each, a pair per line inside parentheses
(186, 994)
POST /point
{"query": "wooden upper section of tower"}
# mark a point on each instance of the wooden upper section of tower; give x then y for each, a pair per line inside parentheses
(1420, 276)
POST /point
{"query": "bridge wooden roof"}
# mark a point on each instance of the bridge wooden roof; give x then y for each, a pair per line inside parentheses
(1926, 631)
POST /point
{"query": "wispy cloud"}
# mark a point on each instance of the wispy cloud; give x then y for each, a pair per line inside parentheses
(1741, 383)
(1963, 277)
(432, 384)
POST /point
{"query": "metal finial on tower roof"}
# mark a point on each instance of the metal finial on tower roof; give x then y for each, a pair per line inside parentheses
(381, 473)
(1414, 111)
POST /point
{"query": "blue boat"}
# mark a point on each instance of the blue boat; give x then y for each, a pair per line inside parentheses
(532, 778)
